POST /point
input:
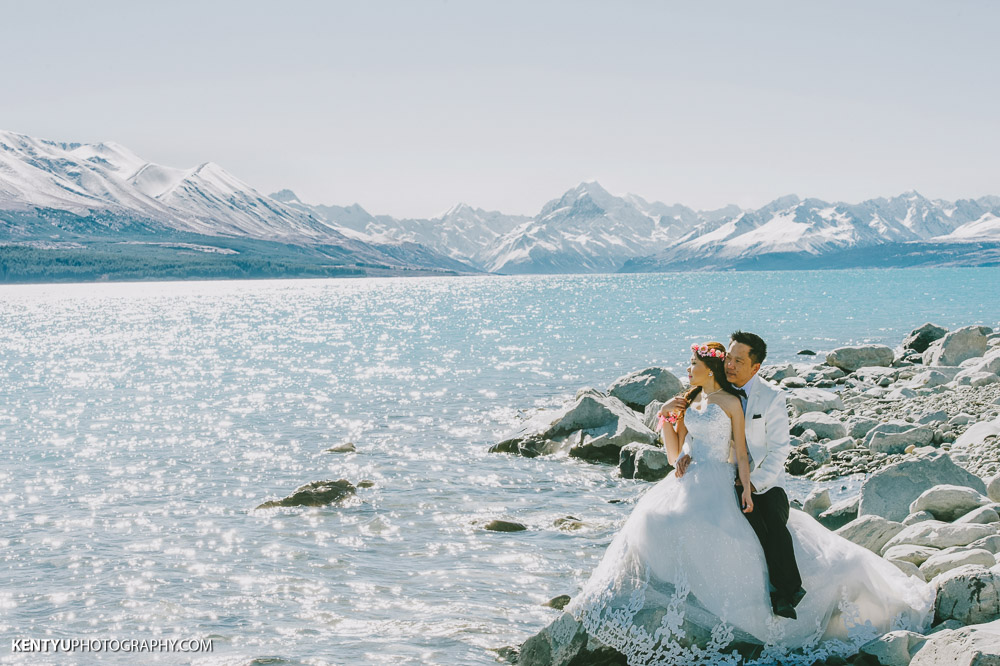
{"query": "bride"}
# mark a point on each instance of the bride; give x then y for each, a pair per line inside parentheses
(685, 580)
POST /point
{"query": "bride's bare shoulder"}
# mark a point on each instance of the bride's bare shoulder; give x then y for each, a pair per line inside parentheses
(727, 401)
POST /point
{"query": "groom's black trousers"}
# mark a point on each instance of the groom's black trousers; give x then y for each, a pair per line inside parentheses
(768, 519)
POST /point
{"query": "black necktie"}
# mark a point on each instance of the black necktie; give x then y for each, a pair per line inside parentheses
(740, 392)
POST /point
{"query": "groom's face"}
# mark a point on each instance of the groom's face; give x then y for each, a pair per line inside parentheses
(739, 366)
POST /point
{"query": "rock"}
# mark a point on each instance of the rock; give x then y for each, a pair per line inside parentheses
(990, 543)
(824, 425)
(557, 644)
(818, 452)
(938, 563)
(989, 363)
(817, 502)
(929, 379)
(921, 338)
(896, 442)
(366, 483)
(650, 415)
(806, 352)
(593, 428)
(893, 426)
(776, 373)
(975, 645)
(568, 523)
(807, 436)
(993, 488)
(906, 552)
(840, 513)
(859, 426)
(793, 383)
(978, 433)
(842, 444)
(799, 461)
(558, 602)
(984, 515)
(901, 393)
(871, 532)
(918, 517)
(317, 493)
(850, 359)
(939, 534)
(909, 568)
(346, 447)
(638, 389)
(948, 502)
(813, 400)
(977, 379)
(958, 346)
(890, 491)
(504, 526)
(895, 648)
(969, 594)
(644, 462)
(930, 418)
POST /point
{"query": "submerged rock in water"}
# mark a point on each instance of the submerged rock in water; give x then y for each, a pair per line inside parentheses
(346, 447)
(317, 493)
(504, 526)
(558, 602)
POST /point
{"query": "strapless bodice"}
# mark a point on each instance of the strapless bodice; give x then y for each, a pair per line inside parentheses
(709, 433)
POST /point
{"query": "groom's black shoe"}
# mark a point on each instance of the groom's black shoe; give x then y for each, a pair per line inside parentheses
(783, 608)
(797, 597)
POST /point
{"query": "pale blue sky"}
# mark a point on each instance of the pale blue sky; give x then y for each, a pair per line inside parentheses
(409, 107)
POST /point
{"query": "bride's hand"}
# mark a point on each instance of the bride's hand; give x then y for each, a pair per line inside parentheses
(676, 405)
(747, 500)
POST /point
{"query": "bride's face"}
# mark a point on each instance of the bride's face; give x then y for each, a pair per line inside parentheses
(698, 372)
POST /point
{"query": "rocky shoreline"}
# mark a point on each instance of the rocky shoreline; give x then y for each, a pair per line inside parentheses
(920, 421)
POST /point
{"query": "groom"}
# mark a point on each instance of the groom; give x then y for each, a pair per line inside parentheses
(769, 444)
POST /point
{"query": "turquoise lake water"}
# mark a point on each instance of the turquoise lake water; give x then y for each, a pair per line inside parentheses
(142, 423)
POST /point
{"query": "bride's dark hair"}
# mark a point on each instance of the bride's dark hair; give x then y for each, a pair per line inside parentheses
(715, 363)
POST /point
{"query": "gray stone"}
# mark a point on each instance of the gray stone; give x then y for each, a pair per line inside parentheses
(651, 413)
(817, 502)
(948, 502)
(775, 373)
(939, 534)
(890, 491)
(989, 363)
(933, 418)
(818, 452)
(918, 517)
(824, 425)
(894, 426)
(990, 543)
(850, 359)
(984, 515)
(978, 433)
(558, 602)
(504, 526)
(897, 442)
(346, 447)
(813, 400)
(895, 648)
(840, 513)
(957, 346)
(651, 464)
(937, 564)
(638, 389)
(317, 493)
(976, 379)
(906, 552)
(792, 383)
(969, 594)
(871, 532)
(859, 426)
(921, 338)
(909, 568)
(993, 488)
(929, 379)
(842, 444)
(975, 645)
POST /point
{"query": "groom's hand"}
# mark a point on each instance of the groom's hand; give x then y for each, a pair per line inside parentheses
(682, 465)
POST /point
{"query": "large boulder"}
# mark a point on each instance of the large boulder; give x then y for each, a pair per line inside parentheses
(969, 594)
(317, 493)
(859, 426)
(895, 648)
(938, 534)
(977, 434)
(921, 338)
(594, 427)
(824, 425)
(958, 346)
(804, 400)
(871, 532)
(638, 389)
(850, 359)
(644, 462)
(989, 363)
(948, 502)
(840, 513)
(938, 563)
(907, 552)
(563, 642)
(975, 645)
(890, 491)
(897, 442)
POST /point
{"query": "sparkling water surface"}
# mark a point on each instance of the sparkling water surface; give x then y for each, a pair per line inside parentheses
(142, 423)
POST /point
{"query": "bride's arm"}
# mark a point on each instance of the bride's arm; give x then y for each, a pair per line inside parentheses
(740, 447)
(672, 436)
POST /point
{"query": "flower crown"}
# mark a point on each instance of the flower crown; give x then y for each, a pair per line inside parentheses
(706, 351)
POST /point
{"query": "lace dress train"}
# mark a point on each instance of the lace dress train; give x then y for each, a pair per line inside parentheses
(685, 582)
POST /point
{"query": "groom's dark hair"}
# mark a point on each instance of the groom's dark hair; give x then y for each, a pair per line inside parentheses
(758, 348)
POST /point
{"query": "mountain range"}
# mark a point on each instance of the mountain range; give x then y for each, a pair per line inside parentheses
(63, 204)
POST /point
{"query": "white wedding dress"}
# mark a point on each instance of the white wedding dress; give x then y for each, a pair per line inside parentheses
(685, 582)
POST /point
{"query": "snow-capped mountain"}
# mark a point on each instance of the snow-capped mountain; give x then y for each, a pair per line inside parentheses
(813, 228)
(463, 233)
(73, 190)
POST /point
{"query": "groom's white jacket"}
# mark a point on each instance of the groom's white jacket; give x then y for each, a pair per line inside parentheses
(768, 439)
